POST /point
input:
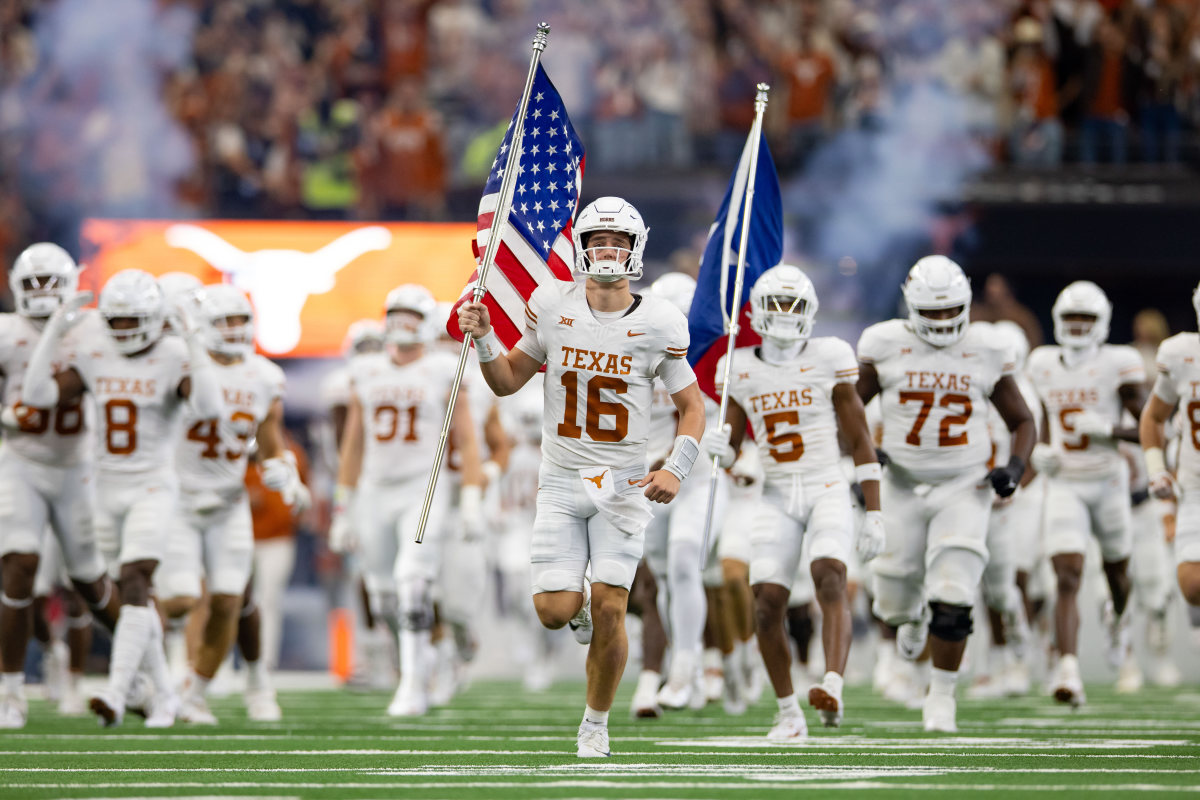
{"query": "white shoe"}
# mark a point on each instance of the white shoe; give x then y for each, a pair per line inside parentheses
(885, 657)
(645, 697)
(674, 697)
(443, 684)
(14, 711)
(827, 700)
(592, 741)
(261, 705)
(734, 697)
(902, 688)
(55, 670)
(939, 713)
(1165, 674)
(409, 701)
(684, 683)
(538, 676)
(912, 636)
(72, 702)
(1066, 685)
(986, 687)
(581, 623)
(1016, 679)
(164, 708)
(1118, 634)
(789, 727)
(1129, 677)
(108, 709)
(194, 708)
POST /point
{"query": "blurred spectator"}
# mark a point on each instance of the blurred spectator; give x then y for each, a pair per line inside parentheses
(1149, 330)
(1104, 96)
(997, 302)
(1162, 68)
(401, 158)
(1036, 137)
(811, 78)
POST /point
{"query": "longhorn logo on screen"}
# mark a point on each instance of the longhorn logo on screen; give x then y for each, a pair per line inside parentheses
(279, 281)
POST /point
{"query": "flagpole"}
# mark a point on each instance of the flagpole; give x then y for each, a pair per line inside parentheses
(498, 221)
(760, 106)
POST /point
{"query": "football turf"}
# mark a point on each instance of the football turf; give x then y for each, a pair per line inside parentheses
(498, 741)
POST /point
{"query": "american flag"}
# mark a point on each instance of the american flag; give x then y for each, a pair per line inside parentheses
(535, 243)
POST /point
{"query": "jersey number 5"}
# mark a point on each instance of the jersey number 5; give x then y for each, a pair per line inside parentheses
(945, 437)
(595, 408)
(793, 441)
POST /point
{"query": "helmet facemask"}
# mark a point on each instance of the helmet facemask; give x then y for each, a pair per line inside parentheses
(940, 327)
(231, 335)
(609, 256)
(39, 296)
(783, 317)
(133, 333)
(1075, 330)
(404, 328)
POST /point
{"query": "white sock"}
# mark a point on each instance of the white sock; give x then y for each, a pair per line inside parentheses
(154, 659)
(257, 676)
(595, 717)
(131, 637)
(789, 704)
(649, 678)
(712, 659)
(197, 684)
(14, 683)
(943, 681)
(996, 656)
(414, 657)
(833, 682)
(687, 606)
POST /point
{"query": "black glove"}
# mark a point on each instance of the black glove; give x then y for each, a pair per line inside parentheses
(882, 457)
(1006, 479)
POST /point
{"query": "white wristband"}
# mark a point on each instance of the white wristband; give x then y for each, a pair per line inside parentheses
(488, 346)
(867, 472)
(683, 456)
(1155, 461)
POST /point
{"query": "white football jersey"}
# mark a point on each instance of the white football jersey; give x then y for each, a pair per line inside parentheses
(934, 400)
(403, 409)
(1092, 385)
(600, 375)
(1179, 382)
(790, 406)
(1001, 435)
(334, 389)
(58, 437)
(213, 452)
(137, 401)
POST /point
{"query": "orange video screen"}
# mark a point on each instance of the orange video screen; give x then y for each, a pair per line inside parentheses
(307, 280)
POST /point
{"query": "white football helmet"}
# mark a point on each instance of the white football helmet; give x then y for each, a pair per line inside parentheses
(1013, 336)
(227, 319)
(404, 300)
(133, 294)
(783, 304)
(41, 279)
(677, 288)
(610, 214)
(363, 336)
(1083, 298)
(936, 283)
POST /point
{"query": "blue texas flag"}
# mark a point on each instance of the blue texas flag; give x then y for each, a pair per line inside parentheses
(711, 305)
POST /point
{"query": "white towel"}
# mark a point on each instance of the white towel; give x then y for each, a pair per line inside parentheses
(617, 496)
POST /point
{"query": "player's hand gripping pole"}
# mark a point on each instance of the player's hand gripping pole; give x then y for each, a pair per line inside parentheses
(735, 312)
(501, 217)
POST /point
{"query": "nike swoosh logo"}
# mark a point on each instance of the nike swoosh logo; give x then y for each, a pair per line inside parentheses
(633, 482)
(806, 369)
(833, 483)
(631, 333)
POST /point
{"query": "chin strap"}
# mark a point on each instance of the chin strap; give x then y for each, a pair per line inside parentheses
(776, 352)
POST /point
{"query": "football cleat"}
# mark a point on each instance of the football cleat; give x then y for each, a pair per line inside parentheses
(1066, 685)
(645, 697)
(592, 740)
(788, 727)
(14, 711)
(163, 708)
(939, 713)
(581, 623)
(1129, 677)
(261, 705)
(72, 702)
(409, 701)
(193, 708)
(109, 712)
(735, 691)
(827, 700)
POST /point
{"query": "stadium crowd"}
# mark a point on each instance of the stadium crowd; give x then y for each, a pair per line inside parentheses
(378, 108)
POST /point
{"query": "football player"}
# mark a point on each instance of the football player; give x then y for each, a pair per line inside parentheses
(46, 464)
(935, 375)
(1178, 384)
(603, 348)
(140, 382)
(1084, 384)
(797, 392)
(212, 540)
(396, 409)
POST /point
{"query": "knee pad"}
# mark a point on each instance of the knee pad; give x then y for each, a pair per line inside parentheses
(557, 580)
(612, 572)
(950, 623)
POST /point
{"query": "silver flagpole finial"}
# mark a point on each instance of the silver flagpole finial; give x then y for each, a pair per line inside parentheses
(539, 39)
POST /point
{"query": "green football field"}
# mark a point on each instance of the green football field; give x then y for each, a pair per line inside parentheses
(497, 741)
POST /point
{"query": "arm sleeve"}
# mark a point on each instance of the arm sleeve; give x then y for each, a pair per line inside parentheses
(38, 387)
(1164, 384)
(205, 396)
(676, 374)
(530, 342)
(1130, 367)
(845, 365)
